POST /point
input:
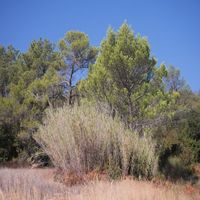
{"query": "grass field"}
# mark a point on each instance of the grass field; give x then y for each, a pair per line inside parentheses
(39, 184)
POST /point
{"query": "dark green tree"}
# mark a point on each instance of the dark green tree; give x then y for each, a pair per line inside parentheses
(27, 84)
(9, 71)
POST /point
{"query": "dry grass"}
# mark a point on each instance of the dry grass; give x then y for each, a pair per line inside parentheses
(129, 190)
(21, 184)
(38, 184)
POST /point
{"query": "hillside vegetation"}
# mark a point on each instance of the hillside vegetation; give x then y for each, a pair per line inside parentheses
(128, 116)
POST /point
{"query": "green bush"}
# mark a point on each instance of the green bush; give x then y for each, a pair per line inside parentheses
(176, 169)
(178, 154)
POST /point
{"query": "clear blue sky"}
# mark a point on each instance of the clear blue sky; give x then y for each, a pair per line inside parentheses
(172, 26)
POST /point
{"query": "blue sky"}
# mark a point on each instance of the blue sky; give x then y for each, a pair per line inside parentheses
(171, 26)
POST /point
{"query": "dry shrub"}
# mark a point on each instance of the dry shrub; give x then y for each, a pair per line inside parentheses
(80, 139)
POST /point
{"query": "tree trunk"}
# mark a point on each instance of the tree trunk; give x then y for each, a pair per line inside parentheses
(70, 85)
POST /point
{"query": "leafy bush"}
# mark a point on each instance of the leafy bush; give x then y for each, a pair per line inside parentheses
(180, 146)
(176, 169)
(81, 139)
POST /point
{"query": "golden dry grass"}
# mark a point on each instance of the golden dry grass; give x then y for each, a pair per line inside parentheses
(38, 184)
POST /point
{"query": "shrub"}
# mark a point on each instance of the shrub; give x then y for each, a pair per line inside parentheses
(81, 139)
(139, 156)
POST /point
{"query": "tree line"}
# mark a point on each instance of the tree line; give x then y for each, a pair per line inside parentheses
(123, 79)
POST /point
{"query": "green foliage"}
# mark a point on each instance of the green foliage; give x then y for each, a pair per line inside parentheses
(181, 144)
(8, 128)
(25, 92)
(126, 78)
(9, 70)
(31, 91)
(177, 169)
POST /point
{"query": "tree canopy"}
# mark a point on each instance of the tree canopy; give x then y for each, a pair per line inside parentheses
(126, 77)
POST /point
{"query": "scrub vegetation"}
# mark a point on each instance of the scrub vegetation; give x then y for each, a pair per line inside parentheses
(126, 117)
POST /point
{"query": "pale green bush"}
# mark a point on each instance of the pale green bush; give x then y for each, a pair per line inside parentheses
(139, 156)
(81, 139)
